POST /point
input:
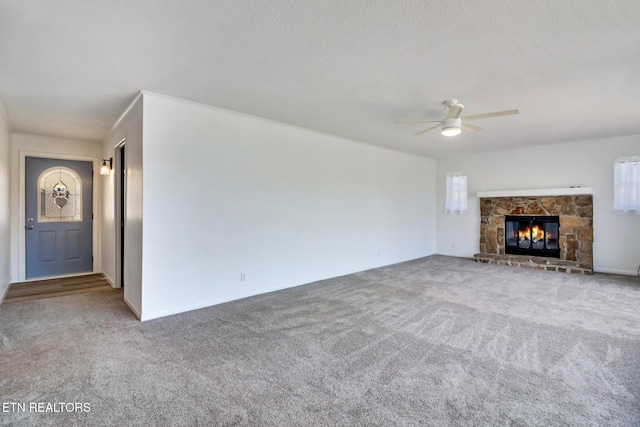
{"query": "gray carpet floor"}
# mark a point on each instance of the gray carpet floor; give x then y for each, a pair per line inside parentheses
(437, 341)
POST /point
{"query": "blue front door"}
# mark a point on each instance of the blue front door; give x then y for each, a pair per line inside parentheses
(59, 217)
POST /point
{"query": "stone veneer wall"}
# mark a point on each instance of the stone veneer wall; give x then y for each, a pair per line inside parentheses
(576, 231)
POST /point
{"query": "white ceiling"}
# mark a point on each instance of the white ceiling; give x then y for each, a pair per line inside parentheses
(345, 67)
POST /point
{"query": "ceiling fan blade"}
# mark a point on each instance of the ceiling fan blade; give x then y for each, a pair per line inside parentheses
(427, 130)
(487, 115)
(470, 126)
(418, 121)
(454, 111)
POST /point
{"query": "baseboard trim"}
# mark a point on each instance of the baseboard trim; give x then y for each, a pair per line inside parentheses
(191, 307)
(615, 271)
(133, 308)
(4, 292)
(206, 304)
(108, 279)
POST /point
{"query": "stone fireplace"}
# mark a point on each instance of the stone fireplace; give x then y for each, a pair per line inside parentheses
(543, 232)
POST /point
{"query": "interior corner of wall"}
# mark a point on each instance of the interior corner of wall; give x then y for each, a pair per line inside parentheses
(108, 279)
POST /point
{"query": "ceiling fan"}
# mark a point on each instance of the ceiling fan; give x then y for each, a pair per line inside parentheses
(452, 124)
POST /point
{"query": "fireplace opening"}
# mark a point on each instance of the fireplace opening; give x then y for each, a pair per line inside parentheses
(532, 235)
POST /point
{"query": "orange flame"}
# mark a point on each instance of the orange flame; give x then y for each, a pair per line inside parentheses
(535, 232)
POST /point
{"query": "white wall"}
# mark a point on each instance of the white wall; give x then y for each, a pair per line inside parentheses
(586, 163)
(129, 129)
(227, 194)
(45, 146)
(5, 172)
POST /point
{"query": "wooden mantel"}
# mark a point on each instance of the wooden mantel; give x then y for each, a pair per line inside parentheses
(568, 191)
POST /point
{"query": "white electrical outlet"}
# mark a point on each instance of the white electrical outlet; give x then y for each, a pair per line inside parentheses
(243, 277)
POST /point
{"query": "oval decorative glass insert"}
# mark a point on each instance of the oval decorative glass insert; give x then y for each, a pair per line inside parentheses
(60, 195)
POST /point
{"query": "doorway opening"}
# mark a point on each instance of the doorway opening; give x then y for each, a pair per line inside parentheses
(120, 186)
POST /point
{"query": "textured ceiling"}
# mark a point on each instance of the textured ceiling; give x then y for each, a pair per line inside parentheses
(349, 68)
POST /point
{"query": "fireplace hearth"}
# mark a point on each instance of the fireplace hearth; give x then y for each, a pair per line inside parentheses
(532, 235)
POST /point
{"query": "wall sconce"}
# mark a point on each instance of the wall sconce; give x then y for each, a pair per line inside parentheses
(106, 169)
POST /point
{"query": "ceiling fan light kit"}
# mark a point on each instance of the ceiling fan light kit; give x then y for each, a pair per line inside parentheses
(452, 124)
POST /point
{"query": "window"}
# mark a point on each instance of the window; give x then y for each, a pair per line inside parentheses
(456, 198)
(626, 185)
(60, 195)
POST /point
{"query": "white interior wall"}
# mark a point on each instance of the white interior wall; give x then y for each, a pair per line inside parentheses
(129, 129)
(45, 146)
(5, 173)
(587, 163)
(227, 195)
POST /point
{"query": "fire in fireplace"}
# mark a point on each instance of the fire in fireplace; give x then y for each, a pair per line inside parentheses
(532, 235)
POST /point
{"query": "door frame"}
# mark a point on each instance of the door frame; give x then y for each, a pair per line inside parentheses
(97, 217)
(119, 199)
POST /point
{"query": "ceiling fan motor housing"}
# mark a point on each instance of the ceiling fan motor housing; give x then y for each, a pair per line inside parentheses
(451, 126)
(450, 103)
